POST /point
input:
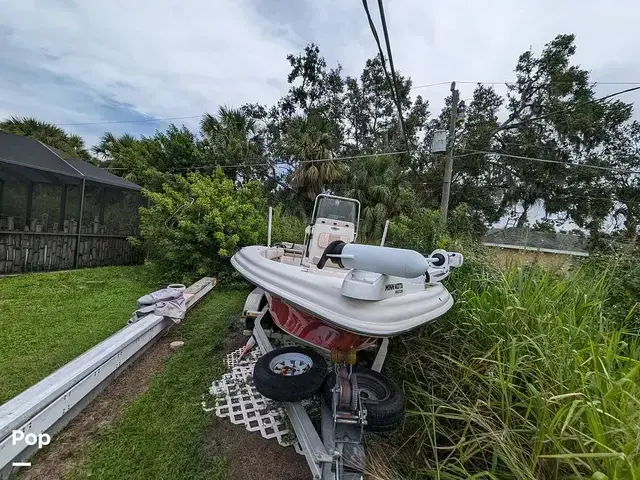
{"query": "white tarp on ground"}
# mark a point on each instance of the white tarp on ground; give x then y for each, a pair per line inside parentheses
(167, 302)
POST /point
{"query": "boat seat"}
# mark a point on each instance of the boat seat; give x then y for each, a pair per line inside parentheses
(291, 260)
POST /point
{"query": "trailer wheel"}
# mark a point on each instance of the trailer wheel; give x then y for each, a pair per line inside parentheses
(381, 396)
(289, 374)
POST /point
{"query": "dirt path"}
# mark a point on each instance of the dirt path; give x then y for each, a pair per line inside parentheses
(250, 456)
(68, 448)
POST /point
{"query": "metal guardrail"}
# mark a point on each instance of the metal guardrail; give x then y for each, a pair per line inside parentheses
(50, 404)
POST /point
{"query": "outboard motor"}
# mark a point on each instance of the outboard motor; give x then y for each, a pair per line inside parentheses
(383, 272)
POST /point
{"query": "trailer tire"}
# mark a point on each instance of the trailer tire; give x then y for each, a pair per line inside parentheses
(302, 381)
(384, 413)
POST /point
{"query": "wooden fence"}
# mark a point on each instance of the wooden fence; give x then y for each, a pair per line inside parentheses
(28, 251)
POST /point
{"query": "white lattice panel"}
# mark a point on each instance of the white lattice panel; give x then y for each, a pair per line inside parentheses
(237, 399)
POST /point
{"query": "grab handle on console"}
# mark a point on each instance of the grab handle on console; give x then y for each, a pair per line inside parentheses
(334, 248)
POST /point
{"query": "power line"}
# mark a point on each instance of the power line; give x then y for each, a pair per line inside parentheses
(505, 82)
(392, 85)
(402, 152)
(568, 106)
(552, 196)
(164, 119)
(185, 117)
(533, 145)
(546, 160)
(430, 85)
(393, 70)
(145, 120)
(267, 164)
(506, 187)
(569, 195)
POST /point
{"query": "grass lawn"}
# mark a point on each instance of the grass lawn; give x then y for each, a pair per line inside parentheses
(47, 319)
(161, 434)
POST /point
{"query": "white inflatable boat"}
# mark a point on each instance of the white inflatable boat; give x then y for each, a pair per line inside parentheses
(336, 294)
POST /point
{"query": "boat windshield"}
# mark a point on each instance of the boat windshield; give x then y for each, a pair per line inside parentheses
(337, 209)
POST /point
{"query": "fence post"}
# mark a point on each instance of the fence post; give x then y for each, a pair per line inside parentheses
(27, 219)
(63, 205)
(269, 226)
(75, 262)
(1, 198)
(384, 233)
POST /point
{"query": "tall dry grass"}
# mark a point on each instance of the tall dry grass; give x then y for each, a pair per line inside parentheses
(533, 375)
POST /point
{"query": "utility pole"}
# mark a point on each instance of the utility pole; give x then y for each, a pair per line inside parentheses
(448, 166)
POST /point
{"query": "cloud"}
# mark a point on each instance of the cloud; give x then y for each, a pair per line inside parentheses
(72, 61)
(436, 41)
(160, 58)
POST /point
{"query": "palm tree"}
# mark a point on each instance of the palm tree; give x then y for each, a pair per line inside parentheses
(378, 183)
(47, 133)
(233, 138)
(306, 139)
(112, 150)
(105, 148)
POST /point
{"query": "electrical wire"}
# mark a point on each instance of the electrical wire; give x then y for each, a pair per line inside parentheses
(144, 120)
(505, 82)
(387, 42)
(430, 85)
(271, 164)
(391, 83)
(185, 117)
(569, 106)
(401, 152)
(506, 187)
(546, 160)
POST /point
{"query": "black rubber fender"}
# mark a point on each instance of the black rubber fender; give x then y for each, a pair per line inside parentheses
(384, 414)
(289, 388)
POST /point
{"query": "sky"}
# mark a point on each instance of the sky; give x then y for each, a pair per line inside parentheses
(88, 65)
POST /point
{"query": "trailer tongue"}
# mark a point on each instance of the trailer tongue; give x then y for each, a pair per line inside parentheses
(339, 454)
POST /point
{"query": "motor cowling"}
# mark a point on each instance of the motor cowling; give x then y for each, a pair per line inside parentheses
(398, 262)
(375, 271)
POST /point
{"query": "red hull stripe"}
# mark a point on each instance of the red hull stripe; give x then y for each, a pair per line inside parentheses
(313, 330)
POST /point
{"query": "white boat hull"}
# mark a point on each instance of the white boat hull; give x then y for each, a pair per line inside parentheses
(318, 293)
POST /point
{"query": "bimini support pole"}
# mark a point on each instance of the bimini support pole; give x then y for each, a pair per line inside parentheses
(269, 227)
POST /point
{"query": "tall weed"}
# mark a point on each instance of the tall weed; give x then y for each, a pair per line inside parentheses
(531, 376)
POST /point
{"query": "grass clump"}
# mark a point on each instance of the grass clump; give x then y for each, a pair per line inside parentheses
(532, 376)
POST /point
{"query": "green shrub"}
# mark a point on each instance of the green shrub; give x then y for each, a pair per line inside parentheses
(623, 273)
(193, 229)
(461, 223)
(530, 376)
(422, 231)
(286, 228)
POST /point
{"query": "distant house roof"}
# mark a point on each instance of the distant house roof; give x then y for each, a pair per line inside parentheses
(524, 237)
(18, 151)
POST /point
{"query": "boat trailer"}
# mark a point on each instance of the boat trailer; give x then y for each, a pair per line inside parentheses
(338, 452)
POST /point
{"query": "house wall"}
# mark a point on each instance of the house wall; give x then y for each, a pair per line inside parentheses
(508, 258)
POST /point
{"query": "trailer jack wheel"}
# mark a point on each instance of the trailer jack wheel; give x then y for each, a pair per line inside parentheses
(382, 398)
